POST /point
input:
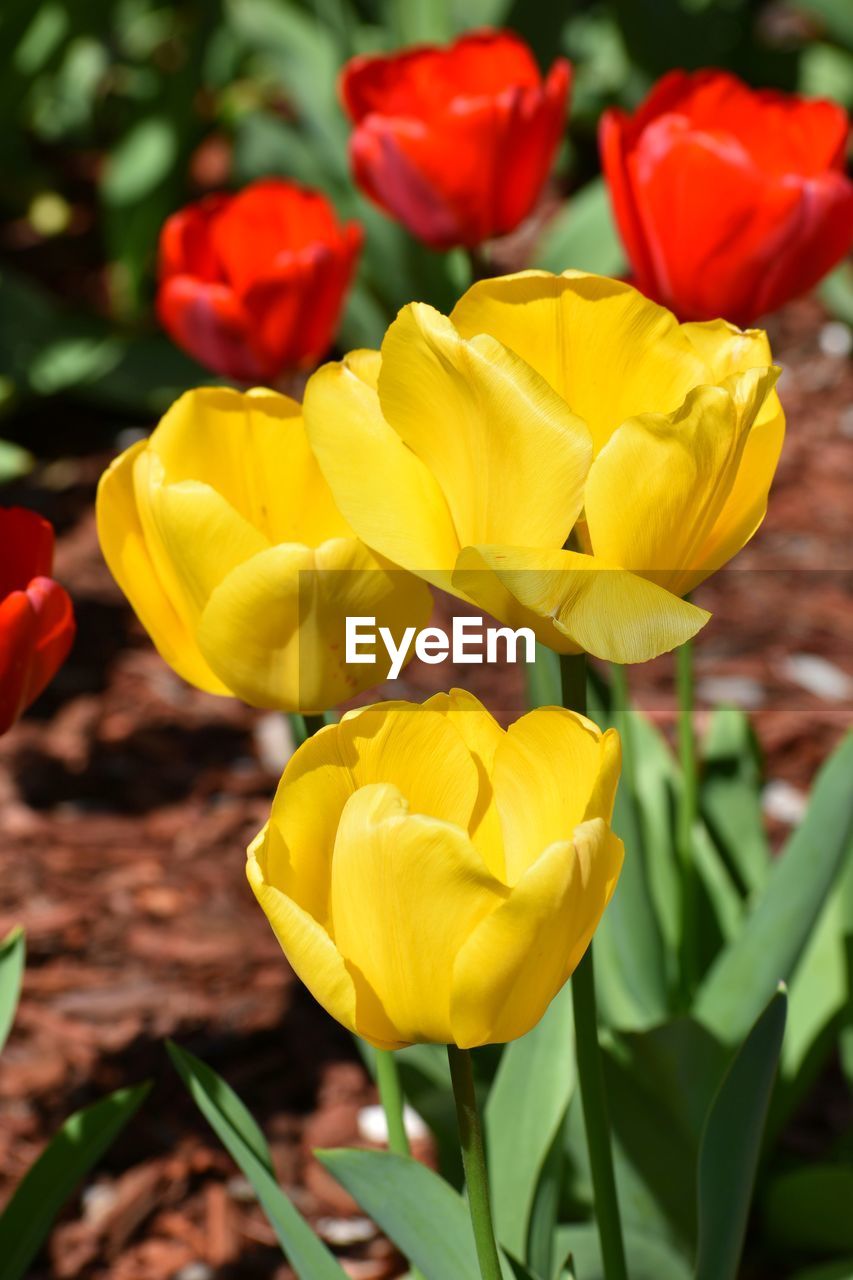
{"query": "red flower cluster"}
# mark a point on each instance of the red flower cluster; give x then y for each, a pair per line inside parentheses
(252, 284)
(457, 142)
(36, 618)
(730, 201)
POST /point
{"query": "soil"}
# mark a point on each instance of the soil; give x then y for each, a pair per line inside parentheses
(126, 803)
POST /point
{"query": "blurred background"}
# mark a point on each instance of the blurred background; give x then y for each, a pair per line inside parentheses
(127, 798)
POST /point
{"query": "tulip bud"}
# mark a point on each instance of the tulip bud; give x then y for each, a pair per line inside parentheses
(432, 877)
(730, 201)
(223, 535)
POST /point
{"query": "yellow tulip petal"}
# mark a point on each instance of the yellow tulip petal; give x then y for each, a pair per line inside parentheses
(552, 770)
(575, 602)
(725, 349)
(482, 735)
(407, 891)
(129, 559)
(604, 347)
(313, 955)
(688, 462)
(251, 448)
(274, 628)
(202, 536)
(510, 457)
(385, 492)
(387, 742)
(746, 504)
(519, 957)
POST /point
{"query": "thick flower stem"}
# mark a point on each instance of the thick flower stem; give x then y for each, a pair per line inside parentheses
(391, 1097)
(687, 814)
(590, 1069)
(474, 1162)
(594, 1102)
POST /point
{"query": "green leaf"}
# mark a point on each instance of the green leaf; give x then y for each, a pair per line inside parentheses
(631, 975)
(658, 785)
(730, 796)
(808, 1210)
(836, 292)
(648, 1258)
(731, 1145)
(426, 1219)
(77, 1146)
(526, 1106)
(245, 1143)
(13, 950)
(840, 1270)
(582, 234)
(14, 461)
(771, 943)
(140, 161)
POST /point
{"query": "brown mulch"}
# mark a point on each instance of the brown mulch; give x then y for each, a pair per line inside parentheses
(126, 803)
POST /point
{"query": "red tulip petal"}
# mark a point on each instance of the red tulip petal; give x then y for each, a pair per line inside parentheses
(818, 235)
(266, 220)
(36, 632)
(185, 242)
(708, 255)
(210, 323)
(55, 630)
(26, 548)
(295, 308)
(474, 173)
(614, 132)
(420, 81)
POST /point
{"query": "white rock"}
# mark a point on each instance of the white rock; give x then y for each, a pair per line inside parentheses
(742, 691)
(783, 802)
(817, 676)
(273, 741)
(373, 1127)
(346, 1231)
(836, 339)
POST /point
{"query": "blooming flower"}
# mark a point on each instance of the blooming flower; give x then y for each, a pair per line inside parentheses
(36, 617)
(560, 451)
(730, 201)
(456, 142)
(251, 285)
(223, 535)
(431, 877)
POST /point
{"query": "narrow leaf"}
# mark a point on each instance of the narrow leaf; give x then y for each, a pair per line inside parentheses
(73, 1151)
(731, 1145)
(730, 796)
(242, 1138)
(426, 1219)
(526, 1106)
(12, 955)
(768, 948)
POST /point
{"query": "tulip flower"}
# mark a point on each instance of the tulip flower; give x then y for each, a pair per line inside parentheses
(223, 535)
(432, 877)
(730, 201)
(252, 285)
(36, 617)
(559, 451)
(456, 142)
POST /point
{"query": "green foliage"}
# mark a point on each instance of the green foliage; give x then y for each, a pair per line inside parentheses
(239, 1134)
(12, 955)
(74, 1150)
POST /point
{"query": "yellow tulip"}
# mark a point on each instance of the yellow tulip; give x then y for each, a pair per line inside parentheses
(432, 877)
(560, 451)
(222, 533)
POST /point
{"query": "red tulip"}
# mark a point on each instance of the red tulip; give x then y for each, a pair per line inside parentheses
(730, 201)
(252, 284)
(457, 142)
(36, 618)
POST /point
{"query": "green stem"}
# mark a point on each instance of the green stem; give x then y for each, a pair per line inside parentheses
(313, 723)
(622, 719)
(474, 1162)
(687, 814)
(590, 1068)
(594, 1102)
(542, 679)
(391, 1097)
